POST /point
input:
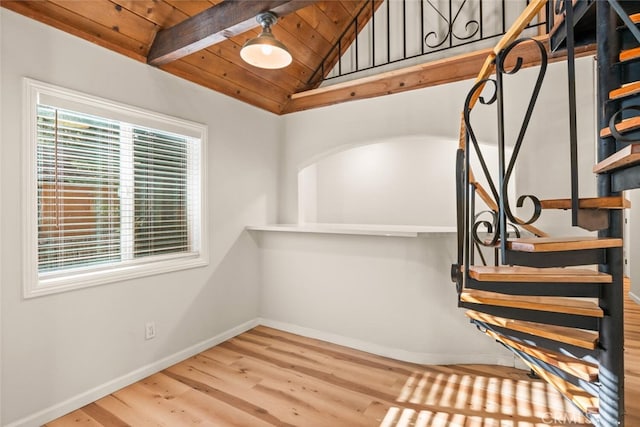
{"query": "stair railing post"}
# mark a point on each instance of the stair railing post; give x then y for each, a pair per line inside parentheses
(573, 133)
(467, 209)
(472, 209)
(502, 217)
(612, 296)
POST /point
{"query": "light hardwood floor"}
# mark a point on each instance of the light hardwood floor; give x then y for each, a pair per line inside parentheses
(632, 359)
(266, 377)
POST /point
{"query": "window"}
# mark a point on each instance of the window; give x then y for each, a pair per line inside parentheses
(114, 192)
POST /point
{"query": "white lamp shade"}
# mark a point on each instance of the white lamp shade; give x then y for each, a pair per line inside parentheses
(265, 51)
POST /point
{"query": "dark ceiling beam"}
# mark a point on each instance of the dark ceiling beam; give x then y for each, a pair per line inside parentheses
(213, 25)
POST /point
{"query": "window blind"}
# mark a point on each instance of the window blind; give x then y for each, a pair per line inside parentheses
(110, 192)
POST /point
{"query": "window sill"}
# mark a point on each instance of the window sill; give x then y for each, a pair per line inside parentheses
(87, 279)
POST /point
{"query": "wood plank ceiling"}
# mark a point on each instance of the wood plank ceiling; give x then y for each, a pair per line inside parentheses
(130, 27)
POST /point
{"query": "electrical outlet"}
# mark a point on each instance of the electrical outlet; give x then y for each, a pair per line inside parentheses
(149, 330)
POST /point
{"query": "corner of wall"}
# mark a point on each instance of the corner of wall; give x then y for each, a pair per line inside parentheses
(390, 352)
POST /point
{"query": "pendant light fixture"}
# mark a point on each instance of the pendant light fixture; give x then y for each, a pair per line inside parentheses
(265, 51)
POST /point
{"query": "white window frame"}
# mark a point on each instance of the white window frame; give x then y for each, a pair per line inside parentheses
(36, 92)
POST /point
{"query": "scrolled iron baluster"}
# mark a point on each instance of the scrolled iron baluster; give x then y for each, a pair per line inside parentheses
(491, 226)
(480, 85)
(502, 68)
(537, 208)
(614, 118)
(462, 178)
(450, 34)
(516, 230)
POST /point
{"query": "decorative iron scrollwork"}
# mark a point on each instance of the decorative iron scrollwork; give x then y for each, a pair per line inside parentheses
(476, 93)
(472, 27)
(615, 118)
(498, 223)
(501, 66)
(490, 226)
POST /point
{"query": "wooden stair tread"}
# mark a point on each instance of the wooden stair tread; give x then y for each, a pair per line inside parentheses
(635, 18)
(625, 90)
(626, 125)
(576, 367)
(618, 202)
(556, 244)
(627, 156)
(584, 401)
(537, 275)
(578, 307)
(629, 54)
(577, 337)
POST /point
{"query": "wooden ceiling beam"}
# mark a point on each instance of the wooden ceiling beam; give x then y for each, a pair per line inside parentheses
(434, 73)
(213, 25)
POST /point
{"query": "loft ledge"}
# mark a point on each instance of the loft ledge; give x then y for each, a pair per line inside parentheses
(356, 229)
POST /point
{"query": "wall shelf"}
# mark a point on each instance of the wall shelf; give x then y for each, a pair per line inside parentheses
(356, 229)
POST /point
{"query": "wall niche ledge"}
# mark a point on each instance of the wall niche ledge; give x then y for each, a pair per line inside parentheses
(357, 229)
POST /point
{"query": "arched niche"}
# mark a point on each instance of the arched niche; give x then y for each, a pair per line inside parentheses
(399, 181)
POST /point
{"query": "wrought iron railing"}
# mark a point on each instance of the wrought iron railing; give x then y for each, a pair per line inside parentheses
(503, 222)
(389, 31)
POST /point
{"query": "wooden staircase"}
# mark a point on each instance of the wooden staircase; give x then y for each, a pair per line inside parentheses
(557, 302)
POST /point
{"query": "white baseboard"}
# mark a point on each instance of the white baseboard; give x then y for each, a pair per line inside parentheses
(506, 359)
(100, 391)
(634, 297)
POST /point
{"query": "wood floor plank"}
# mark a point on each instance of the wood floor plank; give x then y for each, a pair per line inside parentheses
(306, 389)
(224, 396)
(349, 368)
(126, 413)
(339, 352)
(161, 408)
(78, 418)
(334, 395)
(631, 356)
(104, 417)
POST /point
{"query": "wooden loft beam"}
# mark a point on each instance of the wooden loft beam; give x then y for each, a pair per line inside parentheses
(226, 19)
(432, 73)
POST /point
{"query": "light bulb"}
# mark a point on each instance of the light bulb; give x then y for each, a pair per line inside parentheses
(266, 49)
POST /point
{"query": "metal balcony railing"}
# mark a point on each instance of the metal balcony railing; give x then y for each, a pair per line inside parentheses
(390, 31)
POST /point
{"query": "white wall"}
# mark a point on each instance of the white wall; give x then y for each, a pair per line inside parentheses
(57, 347)
(387, 295)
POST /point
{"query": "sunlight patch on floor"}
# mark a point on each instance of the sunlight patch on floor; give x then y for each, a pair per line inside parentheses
(431, 399)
